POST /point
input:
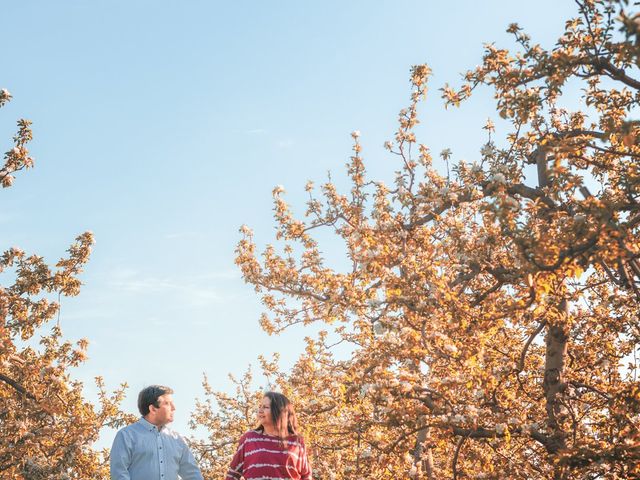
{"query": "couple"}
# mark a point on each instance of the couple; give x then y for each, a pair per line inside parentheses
(148, 450)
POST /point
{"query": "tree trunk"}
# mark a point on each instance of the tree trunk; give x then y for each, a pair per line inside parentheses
(422, 456)
(553, 384)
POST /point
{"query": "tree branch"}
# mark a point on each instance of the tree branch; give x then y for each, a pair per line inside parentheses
(523, 354)
(19, 388)
(600, 63)
(454, 463)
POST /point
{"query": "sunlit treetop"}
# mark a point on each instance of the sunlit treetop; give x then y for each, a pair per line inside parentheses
(491, 307)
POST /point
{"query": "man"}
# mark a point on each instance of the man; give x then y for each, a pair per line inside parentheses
(147, 449)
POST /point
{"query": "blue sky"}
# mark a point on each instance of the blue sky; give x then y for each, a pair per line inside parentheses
(163, 126)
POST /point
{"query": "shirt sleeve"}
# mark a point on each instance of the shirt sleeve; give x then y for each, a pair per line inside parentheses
(120, 457)
(188, 470)
(237, 463)
(305, 467)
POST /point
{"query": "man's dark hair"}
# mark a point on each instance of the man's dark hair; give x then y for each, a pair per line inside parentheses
(149, 396)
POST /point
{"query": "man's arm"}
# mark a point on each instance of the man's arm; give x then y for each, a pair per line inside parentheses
(188, 470)
(120, 457)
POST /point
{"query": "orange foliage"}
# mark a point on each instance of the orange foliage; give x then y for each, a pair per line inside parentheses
(46, 426)
(492, 317)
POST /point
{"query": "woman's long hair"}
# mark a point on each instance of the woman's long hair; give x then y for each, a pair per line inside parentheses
(283, 415)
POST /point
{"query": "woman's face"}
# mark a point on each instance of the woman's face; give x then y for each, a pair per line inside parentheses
(264, 412)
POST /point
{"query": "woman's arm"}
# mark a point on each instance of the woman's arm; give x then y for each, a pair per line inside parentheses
(305, 467)
(237, 463)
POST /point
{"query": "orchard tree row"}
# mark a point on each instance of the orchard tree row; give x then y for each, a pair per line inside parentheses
(491, 311)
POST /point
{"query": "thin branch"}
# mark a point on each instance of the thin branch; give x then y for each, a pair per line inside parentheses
(523, 354)
(454, 463)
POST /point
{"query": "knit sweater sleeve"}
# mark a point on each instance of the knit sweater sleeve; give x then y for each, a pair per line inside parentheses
(237, 463)
(305, 467)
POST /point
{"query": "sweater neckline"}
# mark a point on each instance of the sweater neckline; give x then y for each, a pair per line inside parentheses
(273, 436)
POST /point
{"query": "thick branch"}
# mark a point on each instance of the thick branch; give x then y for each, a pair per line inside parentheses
(19, 388)
(479, 432)
(422, 454)
(487, 189)
(614, 72)
(540, 157)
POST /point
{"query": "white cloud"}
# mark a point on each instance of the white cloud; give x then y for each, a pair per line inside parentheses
(196, 291)
(285, 143)
(221, 275)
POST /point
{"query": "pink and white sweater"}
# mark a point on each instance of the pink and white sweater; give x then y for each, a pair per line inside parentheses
(265, 457)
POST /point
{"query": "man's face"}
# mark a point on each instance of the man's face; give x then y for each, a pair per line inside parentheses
(163, 413)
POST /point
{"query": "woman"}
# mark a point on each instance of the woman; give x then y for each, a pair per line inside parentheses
(274, 450)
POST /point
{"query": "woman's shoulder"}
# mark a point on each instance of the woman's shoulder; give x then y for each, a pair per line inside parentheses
(251, 434)
(259, 434)
(295, 440)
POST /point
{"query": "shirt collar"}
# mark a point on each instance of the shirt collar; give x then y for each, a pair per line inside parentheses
(148, 425)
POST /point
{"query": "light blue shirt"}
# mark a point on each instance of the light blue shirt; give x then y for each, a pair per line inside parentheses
(141, 451)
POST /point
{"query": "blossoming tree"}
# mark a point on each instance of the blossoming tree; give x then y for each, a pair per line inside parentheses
(46, 425)
(492, 312)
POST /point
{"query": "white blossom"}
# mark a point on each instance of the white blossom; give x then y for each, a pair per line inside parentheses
(472, 411)
(458, 419)
(486, 150)
(499, 178)
(511, 203)
(451, 348)
(406, 387)
(365, 389)
(446, 153)
(245, 230)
